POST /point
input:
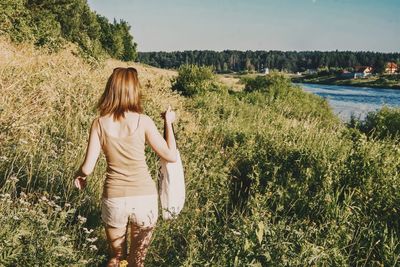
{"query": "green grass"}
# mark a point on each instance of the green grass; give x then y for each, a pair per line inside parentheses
(273, 177)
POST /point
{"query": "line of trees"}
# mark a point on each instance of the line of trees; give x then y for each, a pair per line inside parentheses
(292, 61)
(50, 23)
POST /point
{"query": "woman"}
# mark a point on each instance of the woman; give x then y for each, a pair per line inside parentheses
(129, 194)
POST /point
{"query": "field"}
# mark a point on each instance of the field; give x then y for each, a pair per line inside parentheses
(273, 178)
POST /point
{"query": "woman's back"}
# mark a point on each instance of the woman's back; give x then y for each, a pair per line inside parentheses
(123, 143)
(130, 195)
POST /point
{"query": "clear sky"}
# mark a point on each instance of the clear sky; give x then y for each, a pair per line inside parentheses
(172, 25)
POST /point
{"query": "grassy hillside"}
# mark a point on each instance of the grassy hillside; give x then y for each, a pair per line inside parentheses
(273, 178)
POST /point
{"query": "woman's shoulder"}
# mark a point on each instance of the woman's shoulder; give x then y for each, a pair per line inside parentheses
(97, 121)
(96, 124)
(145, 118)
(100, 120)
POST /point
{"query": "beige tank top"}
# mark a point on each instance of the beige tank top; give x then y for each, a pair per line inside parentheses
(127, 172)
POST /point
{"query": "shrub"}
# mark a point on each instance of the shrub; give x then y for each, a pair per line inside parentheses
(259, 83)
(382, 123)
(268, 83)
(193, 79)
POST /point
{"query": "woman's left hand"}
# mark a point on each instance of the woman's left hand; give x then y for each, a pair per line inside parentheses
(80, 182)
(169, 116)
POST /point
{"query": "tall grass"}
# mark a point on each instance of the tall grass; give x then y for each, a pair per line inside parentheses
(273, 177)
(47, 105)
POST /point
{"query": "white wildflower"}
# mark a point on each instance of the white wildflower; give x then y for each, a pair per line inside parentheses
(87, 231)
(82, 219)
(91, 240)
(14, 178)
(235, 232)
(64, 238)
(23, 202)
(92, 247)
(67, 205)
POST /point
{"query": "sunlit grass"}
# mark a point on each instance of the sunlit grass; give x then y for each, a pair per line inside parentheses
(272, 178)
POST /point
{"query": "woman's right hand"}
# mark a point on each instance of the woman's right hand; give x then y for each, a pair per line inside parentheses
(80, 182)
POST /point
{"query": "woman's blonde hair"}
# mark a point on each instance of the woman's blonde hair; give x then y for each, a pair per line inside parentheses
(122, 93)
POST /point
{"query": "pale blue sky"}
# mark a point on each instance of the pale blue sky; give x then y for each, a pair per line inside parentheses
(171, 25)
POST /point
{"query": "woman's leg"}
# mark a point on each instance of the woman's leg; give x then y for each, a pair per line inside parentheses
(140, 241)
(143, 221)
(117, 240)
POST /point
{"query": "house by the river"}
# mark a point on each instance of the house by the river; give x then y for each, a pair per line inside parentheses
(362, 71)
(359, 72)
(391, 68)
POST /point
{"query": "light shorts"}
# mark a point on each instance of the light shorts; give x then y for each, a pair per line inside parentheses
(139, 210)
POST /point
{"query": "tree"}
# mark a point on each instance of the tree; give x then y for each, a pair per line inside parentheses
(193, 79)
(398, 65)
(52, 22)
(129, 53)
(379, 65)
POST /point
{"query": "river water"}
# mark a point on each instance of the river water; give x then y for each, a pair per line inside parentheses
(348, 100)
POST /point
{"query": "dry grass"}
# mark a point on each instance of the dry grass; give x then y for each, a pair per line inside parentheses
(47, 103)
(33, 83)
(231, 81)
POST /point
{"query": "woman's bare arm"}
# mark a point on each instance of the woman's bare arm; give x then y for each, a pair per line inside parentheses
(166, 149)
(92, 153)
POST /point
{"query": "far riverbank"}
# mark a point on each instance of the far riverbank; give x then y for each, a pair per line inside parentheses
(383, 81)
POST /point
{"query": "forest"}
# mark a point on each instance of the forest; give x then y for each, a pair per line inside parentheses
(291, 61)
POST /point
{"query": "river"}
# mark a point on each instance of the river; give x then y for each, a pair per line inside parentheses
(348, 100)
